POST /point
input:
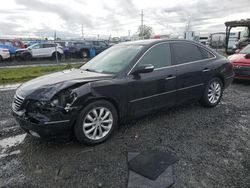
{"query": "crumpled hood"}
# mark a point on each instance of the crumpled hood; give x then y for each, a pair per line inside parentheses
(45, 87)
(22, 50)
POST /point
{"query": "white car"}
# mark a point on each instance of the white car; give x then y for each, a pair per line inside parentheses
(4, 54)
(39, 50)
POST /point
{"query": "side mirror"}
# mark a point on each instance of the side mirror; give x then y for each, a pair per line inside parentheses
(143, 69)
(247, 56)
(237, 51)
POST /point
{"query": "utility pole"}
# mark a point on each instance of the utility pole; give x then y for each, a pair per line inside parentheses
(82, 32)
(55, 38)
(142, 27)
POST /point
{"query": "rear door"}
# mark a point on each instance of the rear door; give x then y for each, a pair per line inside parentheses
(153, 90)
(194, 69)
(48, 49)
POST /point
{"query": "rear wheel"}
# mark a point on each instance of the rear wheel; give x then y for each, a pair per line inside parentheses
(96, 122)
(59, 56)
(213, 93)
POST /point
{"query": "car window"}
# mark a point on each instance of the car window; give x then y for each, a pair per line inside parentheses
(159, 56)
(8, 43)
(80, 44)
(36, 46)
(186, 52)
(245, 50)
(102, 44)
(205, 54)
(48, 45)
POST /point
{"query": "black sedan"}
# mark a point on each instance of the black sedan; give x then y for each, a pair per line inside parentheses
(128, 80)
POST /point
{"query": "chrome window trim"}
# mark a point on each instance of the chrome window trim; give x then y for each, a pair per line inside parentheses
(171, 55)
(159, 94)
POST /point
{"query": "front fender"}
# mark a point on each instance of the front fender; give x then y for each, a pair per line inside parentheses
(102, 90)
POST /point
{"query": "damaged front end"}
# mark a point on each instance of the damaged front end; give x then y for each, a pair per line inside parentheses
(47, 112)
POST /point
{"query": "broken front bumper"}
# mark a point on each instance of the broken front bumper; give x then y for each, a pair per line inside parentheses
(46, 126)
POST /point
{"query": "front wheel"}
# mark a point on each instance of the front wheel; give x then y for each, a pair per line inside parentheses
(213, 93)
(96, 122)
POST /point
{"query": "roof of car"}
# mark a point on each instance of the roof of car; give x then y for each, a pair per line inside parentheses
(151, 41)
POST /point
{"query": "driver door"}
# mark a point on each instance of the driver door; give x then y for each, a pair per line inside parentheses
(37, 50)
(154, 90)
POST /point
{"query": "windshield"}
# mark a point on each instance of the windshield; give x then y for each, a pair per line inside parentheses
(245, 50)
(113, 60)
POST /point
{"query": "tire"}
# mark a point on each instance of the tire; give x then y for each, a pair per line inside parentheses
(96, 123)
(85, 54)
(212, 93)
(59, 56)
(27, 57)
(1, 59)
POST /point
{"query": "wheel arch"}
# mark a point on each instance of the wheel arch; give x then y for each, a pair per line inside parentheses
(110, 100)
(221, 77)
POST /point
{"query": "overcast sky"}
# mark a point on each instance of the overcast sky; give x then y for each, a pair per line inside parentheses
(116, 17)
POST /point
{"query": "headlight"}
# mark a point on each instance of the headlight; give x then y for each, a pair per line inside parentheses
(33, 106)
(63, 99)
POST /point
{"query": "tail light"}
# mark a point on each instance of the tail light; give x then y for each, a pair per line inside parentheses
(5, 50)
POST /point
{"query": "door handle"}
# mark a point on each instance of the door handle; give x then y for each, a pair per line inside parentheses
(206, 70)
(170, 77)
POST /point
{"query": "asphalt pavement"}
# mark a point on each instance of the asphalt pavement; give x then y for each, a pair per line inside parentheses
(212, 145)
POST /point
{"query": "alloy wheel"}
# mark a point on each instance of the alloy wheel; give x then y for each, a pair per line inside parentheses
(214, 92)
(97, 123)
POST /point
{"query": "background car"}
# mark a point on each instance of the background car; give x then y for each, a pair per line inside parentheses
(125, 81)
(13, 42)
(241, 63)
(83, 48)
(40, 50)
(8, 45)
(4, 54)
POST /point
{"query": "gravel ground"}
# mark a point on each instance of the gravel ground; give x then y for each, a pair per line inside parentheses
(212, 145)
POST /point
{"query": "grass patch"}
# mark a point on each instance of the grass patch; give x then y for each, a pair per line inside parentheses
(22, 74)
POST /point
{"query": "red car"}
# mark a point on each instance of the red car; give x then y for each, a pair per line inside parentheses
(241, 63)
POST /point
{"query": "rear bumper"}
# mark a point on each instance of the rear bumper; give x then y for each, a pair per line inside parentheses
(5, 55)
(228, 81)
(48, 130)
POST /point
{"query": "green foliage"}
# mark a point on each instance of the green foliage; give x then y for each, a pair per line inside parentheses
(145, 31)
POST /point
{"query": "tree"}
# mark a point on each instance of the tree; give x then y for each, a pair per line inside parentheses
(145, 31)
